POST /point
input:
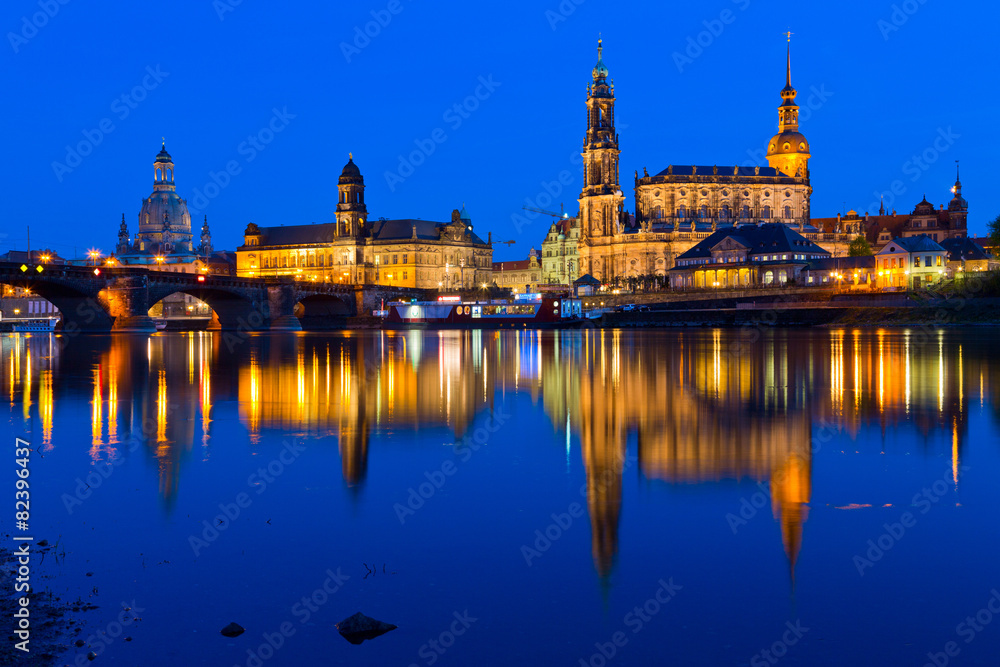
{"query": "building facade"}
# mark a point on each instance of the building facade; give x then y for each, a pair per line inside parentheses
(356, 250)
(911, 262)
(560, 253)
(681, 205)
(965, 255)
(745, 256)
(523, 275)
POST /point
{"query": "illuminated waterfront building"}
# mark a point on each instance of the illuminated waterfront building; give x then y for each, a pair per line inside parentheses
(681, 205)
(359, 251)
(911, 262)
(769, 254)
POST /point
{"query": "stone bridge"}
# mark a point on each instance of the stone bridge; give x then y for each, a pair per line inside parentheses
(119, 299)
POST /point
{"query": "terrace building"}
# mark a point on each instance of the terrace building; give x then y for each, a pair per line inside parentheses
(749, 255)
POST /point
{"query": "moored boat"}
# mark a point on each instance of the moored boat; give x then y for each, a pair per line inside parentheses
(525, 311)
(47, 325)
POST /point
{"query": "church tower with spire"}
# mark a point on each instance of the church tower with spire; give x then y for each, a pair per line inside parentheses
(788, 151)
(958, 208)
(205, 250)
(351, 209)
(601, 198)
(124, 243)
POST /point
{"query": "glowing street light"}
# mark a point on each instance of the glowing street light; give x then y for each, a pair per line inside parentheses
(94, 255)
(160, 259)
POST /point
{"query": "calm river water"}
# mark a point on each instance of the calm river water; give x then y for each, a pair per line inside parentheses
(796, 497)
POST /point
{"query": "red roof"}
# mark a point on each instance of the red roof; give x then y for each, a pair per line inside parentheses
(519, 265)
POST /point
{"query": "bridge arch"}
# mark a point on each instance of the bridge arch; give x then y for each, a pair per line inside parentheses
(82, 309)
(231, 309)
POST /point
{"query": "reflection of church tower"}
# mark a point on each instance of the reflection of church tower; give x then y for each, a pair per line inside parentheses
(791, 488)
(601, 199)
(788, 151)
(351, 209)
(353, 425)
(602, 440)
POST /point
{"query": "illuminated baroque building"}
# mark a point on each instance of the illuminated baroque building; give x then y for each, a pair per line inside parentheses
(680, 205)
(357, 250)
(164, 239)
(522, 275)
(560, 253)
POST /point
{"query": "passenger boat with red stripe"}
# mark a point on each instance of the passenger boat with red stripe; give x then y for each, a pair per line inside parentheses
(525, 311)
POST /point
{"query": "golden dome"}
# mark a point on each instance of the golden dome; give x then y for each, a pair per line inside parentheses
(788, 142)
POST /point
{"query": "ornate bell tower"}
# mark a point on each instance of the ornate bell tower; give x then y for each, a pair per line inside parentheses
(351, 209)
(788, 151)
(601, 199)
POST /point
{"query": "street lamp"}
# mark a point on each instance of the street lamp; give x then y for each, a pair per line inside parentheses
(160, 259)
(94, 255)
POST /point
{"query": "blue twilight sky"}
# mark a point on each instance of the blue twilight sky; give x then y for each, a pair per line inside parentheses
(895, 92)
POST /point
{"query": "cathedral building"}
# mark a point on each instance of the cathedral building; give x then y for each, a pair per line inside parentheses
(679, 206)
(164, 240)
(356, 250)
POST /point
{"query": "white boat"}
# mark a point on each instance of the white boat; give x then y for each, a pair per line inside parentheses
(33, 326)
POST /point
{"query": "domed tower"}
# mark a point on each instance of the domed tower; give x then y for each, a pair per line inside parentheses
(788, 151)
(164, 205)
(351, 209)
(958, 208)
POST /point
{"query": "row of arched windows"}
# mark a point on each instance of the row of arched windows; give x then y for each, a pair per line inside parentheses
(725, 213)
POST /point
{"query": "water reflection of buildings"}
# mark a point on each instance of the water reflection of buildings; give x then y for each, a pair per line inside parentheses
(699, 414)
(702, 406)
